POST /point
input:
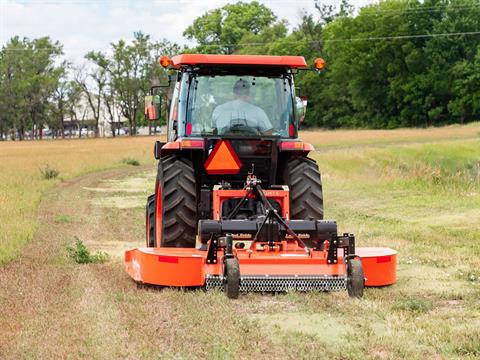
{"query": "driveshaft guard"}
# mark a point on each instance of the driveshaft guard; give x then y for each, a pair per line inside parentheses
(307, 229)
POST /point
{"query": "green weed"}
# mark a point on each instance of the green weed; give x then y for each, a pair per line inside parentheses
(49, 172)
(62, 219)
(131, 161)
(81, 255)
(416, 305)
(470, 275)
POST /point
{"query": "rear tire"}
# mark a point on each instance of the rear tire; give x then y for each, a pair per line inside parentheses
(176, 198)
(150, 221)
(355, 278)
(306, 195)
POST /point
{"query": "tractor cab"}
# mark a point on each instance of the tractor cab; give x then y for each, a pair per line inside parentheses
(234, 96)
(247, 101)
(238, 102)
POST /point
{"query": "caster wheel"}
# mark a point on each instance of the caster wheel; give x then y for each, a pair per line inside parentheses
(355, 278)
(232, 278)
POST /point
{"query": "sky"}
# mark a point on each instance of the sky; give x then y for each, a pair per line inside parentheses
(84, 25)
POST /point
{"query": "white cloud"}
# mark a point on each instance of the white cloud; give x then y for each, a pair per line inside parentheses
(92, 25)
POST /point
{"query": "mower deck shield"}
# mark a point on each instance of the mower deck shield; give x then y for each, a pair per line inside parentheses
(379, 265)
(166, 266)
(189, 268)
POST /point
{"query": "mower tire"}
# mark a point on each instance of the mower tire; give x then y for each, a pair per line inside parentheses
(232, 278)
(176, 189)
(355, 278)
(150, 221)
(306, 195)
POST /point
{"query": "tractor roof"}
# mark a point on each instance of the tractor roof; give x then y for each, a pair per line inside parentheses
(294, 62)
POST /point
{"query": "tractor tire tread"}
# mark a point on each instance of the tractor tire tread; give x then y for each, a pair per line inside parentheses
(306, 196)
(150, 221)
(179, 202)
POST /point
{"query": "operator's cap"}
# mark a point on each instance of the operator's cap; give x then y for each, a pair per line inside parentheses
(241, 87)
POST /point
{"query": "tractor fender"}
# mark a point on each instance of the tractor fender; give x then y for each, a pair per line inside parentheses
(162, 149)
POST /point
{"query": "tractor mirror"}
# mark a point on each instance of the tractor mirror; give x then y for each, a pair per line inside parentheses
(301, 109)
(153, 105)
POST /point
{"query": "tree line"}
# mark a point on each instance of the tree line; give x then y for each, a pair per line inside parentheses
(392, 64)
(38, 89)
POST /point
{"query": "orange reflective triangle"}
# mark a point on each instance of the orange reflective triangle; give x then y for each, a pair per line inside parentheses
(223, 159)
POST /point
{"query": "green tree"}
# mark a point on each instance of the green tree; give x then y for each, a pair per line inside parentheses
(128, 68)
(220, 30)
(391, 74)
(30, 73)
(59, 106)
(92, 82)
(466, 103)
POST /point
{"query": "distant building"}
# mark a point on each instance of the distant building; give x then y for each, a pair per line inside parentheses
(83, 120)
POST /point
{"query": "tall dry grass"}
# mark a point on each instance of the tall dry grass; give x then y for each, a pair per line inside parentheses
(22, 183)
(343, 138)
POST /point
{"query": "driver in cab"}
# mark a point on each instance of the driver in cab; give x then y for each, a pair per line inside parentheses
(239, 112)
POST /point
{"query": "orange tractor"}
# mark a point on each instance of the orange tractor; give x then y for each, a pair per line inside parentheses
(238, 203)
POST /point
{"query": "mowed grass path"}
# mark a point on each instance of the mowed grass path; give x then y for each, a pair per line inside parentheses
(420, 197)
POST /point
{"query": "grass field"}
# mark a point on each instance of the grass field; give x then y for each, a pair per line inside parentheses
(417, 191)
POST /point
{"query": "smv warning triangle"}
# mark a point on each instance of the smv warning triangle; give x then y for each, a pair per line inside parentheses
(223, 159)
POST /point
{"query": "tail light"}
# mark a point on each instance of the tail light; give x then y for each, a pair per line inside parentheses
(296, 146)
(189, 128)
(192, 144)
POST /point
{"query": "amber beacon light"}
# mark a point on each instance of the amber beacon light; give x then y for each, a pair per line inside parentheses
(319, 64)
(165, 61)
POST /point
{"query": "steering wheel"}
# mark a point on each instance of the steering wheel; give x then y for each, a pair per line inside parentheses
(240, 126)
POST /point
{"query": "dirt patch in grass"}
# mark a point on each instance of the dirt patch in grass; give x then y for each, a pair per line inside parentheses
(120, 202)
(110, 190)
(123, 213)
(127, 193)
(324, 326)
(138, 183)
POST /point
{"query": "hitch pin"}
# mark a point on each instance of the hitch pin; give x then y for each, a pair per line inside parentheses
(310, 252)
(326, 245)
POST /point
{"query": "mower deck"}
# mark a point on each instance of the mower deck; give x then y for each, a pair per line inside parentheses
(264, 253)
(260, 270)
